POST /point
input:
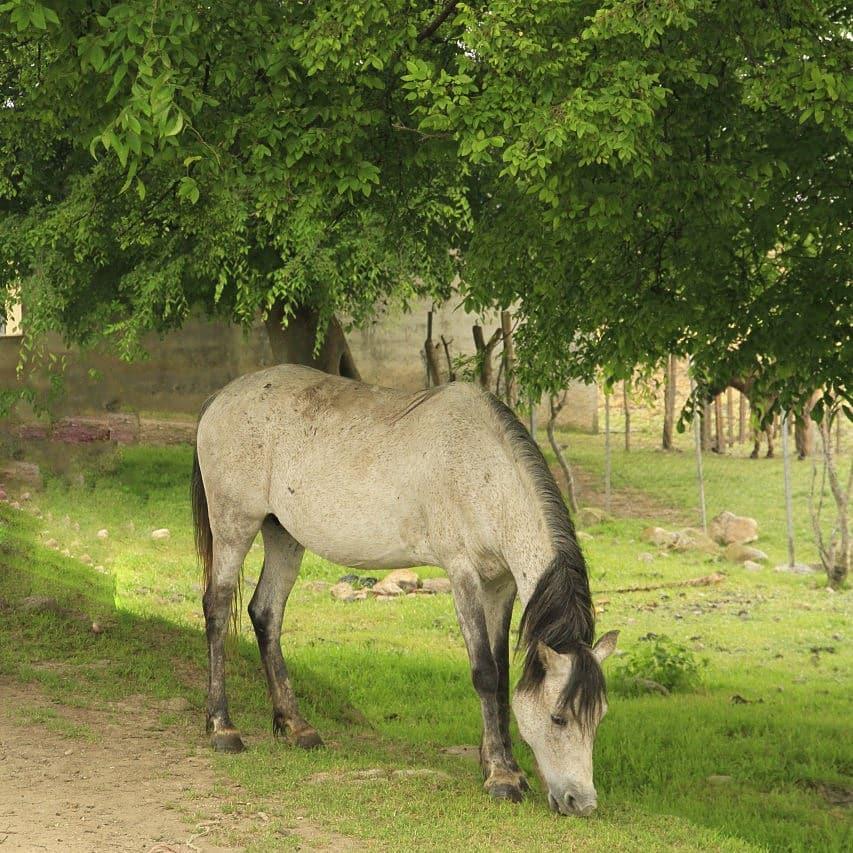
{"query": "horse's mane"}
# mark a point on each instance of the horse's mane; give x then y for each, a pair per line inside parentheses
(560, 613)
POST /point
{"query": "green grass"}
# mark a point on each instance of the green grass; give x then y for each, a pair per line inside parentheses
(388, 685)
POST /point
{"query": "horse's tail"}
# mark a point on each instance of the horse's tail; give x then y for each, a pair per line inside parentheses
(201, 523)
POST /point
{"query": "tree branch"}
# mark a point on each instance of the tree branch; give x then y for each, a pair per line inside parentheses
(442, 16)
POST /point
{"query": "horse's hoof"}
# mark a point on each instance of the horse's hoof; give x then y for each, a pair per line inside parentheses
(505, 791)
(523, 783)
(227, 742)
(309, 740)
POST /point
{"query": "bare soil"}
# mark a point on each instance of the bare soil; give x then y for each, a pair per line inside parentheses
(82, 779)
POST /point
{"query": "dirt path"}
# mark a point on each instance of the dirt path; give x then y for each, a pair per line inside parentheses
(625, 502)
(74, 779)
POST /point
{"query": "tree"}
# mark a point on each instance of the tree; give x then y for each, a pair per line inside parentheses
(658, 178)
(157, 156)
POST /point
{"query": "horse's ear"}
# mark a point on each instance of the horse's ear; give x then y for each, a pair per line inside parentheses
(548, 657)
(605, 646)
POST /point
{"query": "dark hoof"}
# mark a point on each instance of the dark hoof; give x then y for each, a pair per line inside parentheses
(506, 792)
(523, 783)
(227, 742)
(309, 740)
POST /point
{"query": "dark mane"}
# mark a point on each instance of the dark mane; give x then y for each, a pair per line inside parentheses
(560, 612)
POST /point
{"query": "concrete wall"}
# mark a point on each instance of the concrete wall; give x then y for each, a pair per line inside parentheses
(185, 367)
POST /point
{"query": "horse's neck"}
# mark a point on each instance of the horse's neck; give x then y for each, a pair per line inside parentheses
(528, 550)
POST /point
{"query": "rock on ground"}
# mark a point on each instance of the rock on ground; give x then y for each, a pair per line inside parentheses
(691, 539)
(658, 536)
(728, 528)
(103, 533)
(437, 585)
(161, 533)
(344, 591)
(737, 553)
(588, 516)
(799, 569)
(22, 472)
(386, 587)
(406, 579)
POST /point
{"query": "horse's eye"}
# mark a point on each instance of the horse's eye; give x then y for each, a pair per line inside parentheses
(558, 721)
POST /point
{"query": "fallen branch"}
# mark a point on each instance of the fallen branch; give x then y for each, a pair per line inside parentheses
(705, 580)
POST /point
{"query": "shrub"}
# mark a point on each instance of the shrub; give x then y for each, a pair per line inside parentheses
(663, 661)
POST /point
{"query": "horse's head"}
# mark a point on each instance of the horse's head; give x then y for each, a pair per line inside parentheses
(558, 716)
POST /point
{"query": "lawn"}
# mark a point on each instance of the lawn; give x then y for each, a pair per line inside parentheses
(388, 686)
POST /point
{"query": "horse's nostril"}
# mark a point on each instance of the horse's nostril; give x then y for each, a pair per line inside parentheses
(570, 802)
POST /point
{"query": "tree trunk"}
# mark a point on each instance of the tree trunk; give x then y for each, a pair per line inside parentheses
(508, 358)
(556, 406)
(433, 371)
(626, 405)
(706, 427)
(835, 555)
(718, 420)
(730, 416)
(293, 342)
(484, 354)
(804, 429)
(669, 403)
(741, 418)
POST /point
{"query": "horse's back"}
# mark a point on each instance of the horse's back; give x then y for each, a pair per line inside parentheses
(355, 472)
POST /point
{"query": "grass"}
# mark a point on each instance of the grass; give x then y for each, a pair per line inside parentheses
(388, 685)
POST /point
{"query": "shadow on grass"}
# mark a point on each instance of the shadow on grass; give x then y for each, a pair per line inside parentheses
(381, 708)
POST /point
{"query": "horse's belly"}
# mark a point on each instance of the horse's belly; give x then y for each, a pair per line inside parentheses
(371, 540)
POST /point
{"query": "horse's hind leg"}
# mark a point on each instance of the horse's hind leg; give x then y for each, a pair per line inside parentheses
(231, 543)
(282, 557)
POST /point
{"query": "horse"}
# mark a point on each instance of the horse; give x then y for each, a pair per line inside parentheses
(368, 476)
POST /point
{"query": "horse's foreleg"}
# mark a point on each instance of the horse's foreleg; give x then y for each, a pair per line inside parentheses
(498, 601)
(501, 776)
(227, 560)
(282, 558)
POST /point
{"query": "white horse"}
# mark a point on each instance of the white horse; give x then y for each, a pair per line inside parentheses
(367, 476)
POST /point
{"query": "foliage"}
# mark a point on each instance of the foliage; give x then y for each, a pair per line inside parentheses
(158, 155)
(658, 177)
(633, 178)
(664, 661)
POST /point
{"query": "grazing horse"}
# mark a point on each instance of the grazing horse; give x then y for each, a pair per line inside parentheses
(367, 476)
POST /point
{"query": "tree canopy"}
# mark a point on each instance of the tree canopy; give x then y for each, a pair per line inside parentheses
(633, 177)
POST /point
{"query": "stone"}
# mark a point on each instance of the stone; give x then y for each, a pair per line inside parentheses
(387, 588)
(716, 779)
(85, 558)
(737, 553)
(646, 557)
(22, 472)
(658, 536)
(345, 592)
(406, 579)
(728, 528)
(798, 569)
(103, 533)
(26, 496)
(161, 533)
(51, 543)
(752, 566)
(691, 539)
(589, 516)
(437, 585)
